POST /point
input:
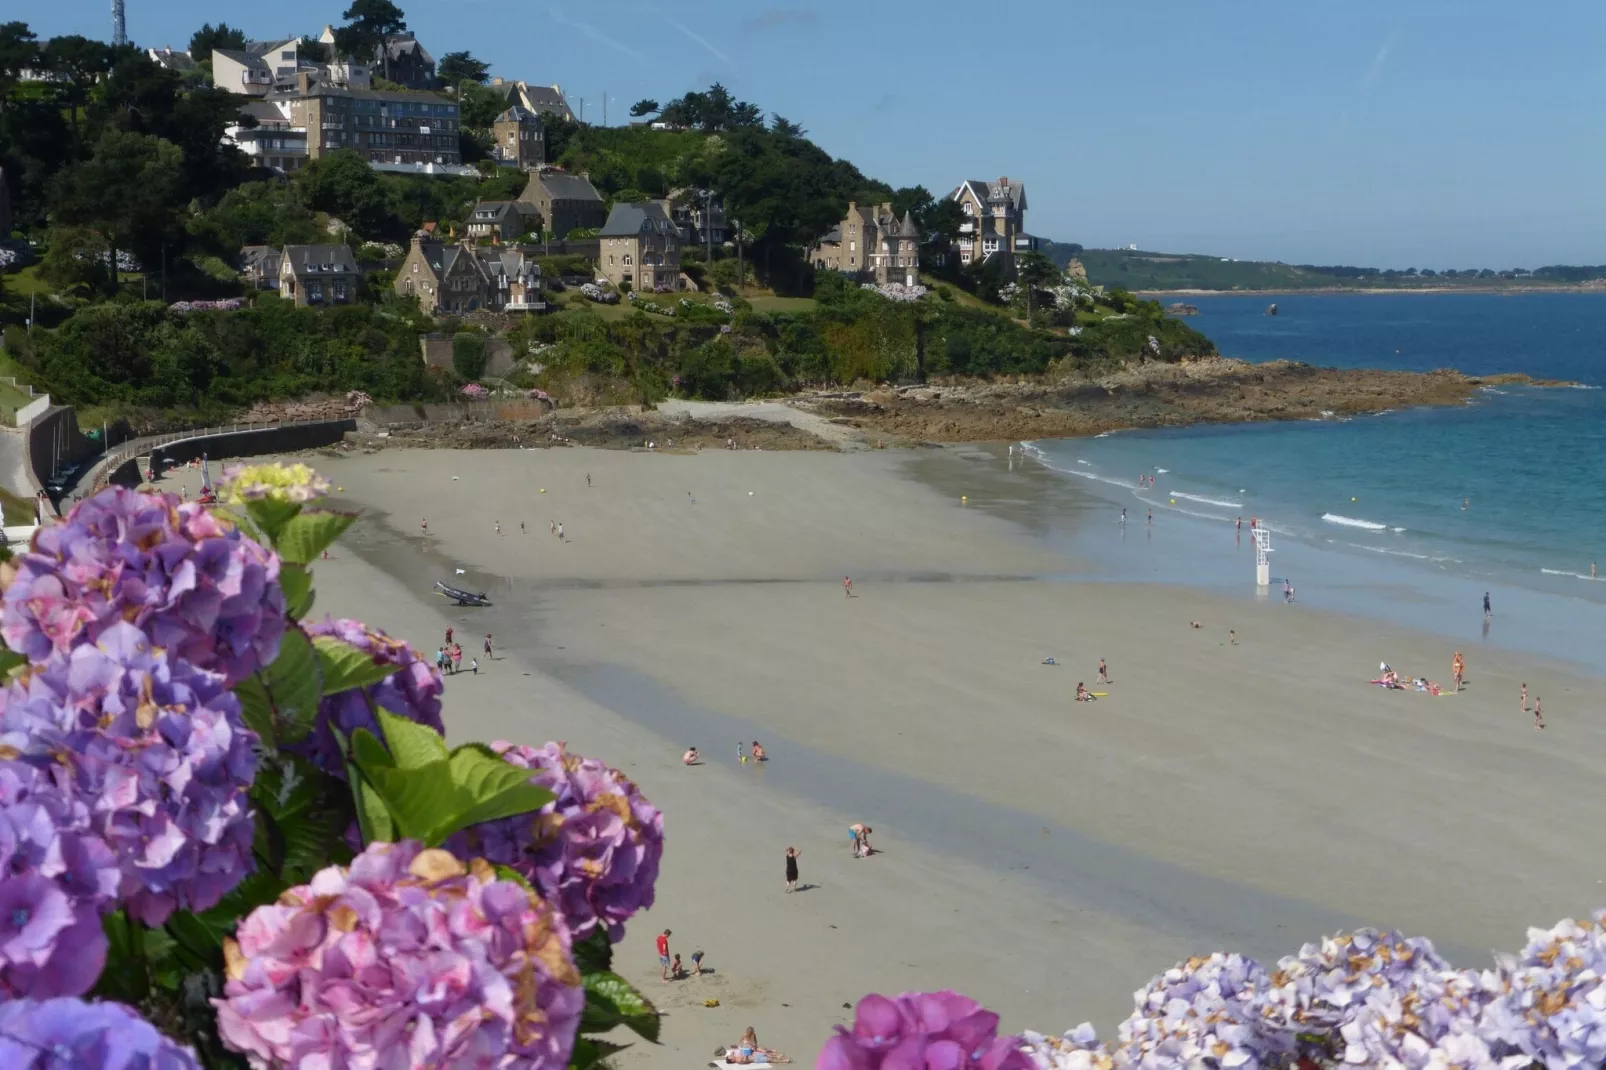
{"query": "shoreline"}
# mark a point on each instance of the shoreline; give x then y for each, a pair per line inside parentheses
(1321, 291)
(1043, 856)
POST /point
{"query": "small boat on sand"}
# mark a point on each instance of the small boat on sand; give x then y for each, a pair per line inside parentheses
(460, 596)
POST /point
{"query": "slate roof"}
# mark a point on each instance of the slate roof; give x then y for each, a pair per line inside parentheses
(246, 59)
(907, 228)
(629, 220)
(264, 258)
(320, 260)
(516, 114)
(562, 187)
(546, 99)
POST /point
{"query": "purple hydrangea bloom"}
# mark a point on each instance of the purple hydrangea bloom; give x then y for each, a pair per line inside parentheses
(56, 876)
(1551, 1006)
(413, 692)
(1204, 1011)
(1325, 986)
(405, 959)
(157, 752)
(931, 1030)
(1432, 1020)
(197, 586)
(1078, 1049)
(70, 1034)
(593, 851)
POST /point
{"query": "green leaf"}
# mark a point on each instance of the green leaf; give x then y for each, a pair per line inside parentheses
(508, 873)
(297, 584)
(411, 744)
(310, 534)
(372, 816)
(489, 793)
(422, 802)
(271, 516)
(367, 751)
(594, 954)
(346, 667)
(589, 1051)
(10, 659)
(294, 684)
(613, 1001)
(256, 709)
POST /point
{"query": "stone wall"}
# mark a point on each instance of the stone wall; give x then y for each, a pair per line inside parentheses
(437, 351)
(257, 442)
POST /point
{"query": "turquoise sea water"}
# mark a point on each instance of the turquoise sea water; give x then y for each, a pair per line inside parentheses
(1367, 513)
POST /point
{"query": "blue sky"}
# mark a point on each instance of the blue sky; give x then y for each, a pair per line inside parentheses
(1427, 133)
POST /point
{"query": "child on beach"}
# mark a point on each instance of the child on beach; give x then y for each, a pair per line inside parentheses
(1524, 698)
(488, 655)
(691, 757)
(674, 969)
(474, 666)
(1104, 672)
(1539, 718)
(696, 956)
(1458, 667)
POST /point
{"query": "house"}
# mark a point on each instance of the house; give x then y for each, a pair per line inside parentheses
(456, 277)
(640, 246)
(700, 221)
(242, 72)
(387, 127)
(502, 220)
(259, 266)
(518, 138)
(318, 274)
(274, 141)
(166, 58)
(263, 67)
(873, 244)
(545, 100)
(995, 221)
(565, 202)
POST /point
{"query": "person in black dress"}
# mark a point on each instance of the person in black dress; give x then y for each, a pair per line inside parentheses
(791, 868)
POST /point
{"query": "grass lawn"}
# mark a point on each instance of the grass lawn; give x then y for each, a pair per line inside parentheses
(782, 304)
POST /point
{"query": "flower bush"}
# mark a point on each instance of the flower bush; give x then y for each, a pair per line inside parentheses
(593, 850)
(934, 1030)
(70, 1034)
(405, 954)
(227, 304)
(596, 293)
(280, 482)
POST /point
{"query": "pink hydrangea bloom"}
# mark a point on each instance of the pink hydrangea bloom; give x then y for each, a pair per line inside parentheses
(922, 1031)
(198, 587)
(593, 851)
(405, 959)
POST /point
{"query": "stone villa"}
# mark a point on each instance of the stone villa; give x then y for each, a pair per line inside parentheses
(873, 244)
(995, 221)
(640, 245)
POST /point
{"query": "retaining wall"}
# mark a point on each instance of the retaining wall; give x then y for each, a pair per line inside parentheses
(218, 444)
(53, 440)
(35, 408)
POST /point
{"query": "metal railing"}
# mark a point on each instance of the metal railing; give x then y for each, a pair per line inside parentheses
(124, 452)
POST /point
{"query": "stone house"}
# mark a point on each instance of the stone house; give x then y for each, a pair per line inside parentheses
(545, 100)
(456, 277)
(502, 220)
(700, 222)
(995, 221)
(565, 202)
(259, 266)
(518, 139)
(873, 244)
(386, 127)
(400, 59)
(640, 245)
(318, 275)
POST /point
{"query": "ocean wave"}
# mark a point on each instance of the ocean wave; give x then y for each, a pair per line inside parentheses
(1080, 461)
(1162, 471)
(1563, 572)
(1202, 500)
(1395, 553)
(1582, 386)
(1042, 458)
(1352, 522)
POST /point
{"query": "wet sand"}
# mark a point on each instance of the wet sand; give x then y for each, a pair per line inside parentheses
(1045, 856)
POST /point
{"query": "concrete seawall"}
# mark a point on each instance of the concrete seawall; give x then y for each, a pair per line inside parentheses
(217, 444)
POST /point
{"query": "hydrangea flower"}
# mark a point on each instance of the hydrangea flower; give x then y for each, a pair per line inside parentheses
(296, 483)
(934, 1030)
(70, 1034)
(413, 692)
(1432, 1020)
(197, 586)
(1325, 986)
(593, 851)
(1201, 1009)
(404, 959)
(1551, 1006)
(56, 876)
(1078, 1049)
(157, 751)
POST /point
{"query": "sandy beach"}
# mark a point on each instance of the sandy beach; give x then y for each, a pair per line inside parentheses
(1044, 856)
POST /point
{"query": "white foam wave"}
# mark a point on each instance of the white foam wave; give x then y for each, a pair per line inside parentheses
(1581, 386)
(1162, 471)
(1202, 500)
(1042, 458)
(1080, 461)
(1563, 572)
(1352, 522)
(1394, 553)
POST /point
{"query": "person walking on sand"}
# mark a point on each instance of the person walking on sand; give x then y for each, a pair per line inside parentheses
(474, 666)
(1232, 636)
(792, 854)
(1458, 667)
(448, 636)
(1104, 672)
(1525, 698)
(741, 758)
(663, 954)
(499, 527)
(847, 586)
(1487, 612)
(488, 655)
(1123, 515)
(1238, 527)
(560, 531)
(423, 523)
(1539, 717)
(588, 479)
(522, 529)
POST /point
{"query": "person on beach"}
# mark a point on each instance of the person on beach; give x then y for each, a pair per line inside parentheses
(474, 666)
(691, 757)
(441, 661)
(1151, 518)
(423, 523)
(588, 479)
(697, 963)
(522, 529)
(1082, 693)
(1524, 698)
(1487, 611)
(741, 758)
(457, 658)
(499, 527)
(552, 526)
(1104, 672)
(690, 498)
(560, 531)
(674, 969)
(1232, 637)
(1238, 527)
(488, 655)
(1288, 591)
(847, 586)
(792, 854)
(663, 954)
(758, 752)
(448, 636)
(857, 833)
(1458, 666)
(1123, 514)
(1539, 717)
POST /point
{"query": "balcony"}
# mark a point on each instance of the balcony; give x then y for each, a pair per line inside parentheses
(967, 228)
(526, 306)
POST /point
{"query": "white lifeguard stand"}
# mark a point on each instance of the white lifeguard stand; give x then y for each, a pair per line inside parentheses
(1262, 561)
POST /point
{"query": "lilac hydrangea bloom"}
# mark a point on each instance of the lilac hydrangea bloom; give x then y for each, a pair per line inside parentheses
(933, 1030)
(593, 851)
(1552, 1001)
(413, 692)
(1200, 1010)
(1325, 986)
(56, 876)
(404, 959)
(70, 1034)
(158, 753)
(1078, 1049)
(1432, 1020)
(198, 587)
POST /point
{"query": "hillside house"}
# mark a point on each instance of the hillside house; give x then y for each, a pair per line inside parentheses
(318, 275)
(457, 277)
(995, 221)
(502, 220)
(640, 245)
(873, 244)
(565, 202)
(518, 139)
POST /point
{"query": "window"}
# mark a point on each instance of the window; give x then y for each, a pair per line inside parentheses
(288, 53)
(853, 246)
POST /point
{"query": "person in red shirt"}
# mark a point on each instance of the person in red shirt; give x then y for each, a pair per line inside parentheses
(663, 953)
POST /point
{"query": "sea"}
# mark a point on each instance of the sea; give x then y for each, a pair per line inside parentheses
(1409, 515)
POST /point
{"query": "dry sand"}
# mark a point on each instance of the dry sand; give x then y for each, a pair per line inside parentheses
(1044, 856)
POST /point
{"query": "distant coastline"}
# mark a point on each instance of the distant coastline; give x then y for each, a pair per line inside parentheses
(1558, 288)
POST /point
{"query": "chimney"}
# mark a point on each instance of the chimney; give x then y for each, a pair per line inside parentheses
(304, 82)
(1003, 180)
(496, 79)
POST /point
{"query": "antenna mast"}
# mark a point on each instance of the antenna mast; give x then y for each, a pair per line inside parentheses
(119, 24)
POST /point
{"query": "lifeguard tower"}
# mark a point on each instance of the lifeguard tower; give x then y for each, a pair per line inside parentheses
(1262, 555)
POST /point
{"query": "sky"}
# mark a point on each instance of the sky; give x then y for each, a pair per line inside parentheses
(1388, 133)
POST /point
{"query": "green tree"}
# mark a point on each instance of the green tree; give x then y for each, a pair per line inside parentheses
(368, 23)
(209, 38)
(1034, 271)
(458, 67)
(127, 191)
(19, 51)
(644, 107)
(342, 184)
(784, 127)
(478, 105)
(468, 355)
(77, 63)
